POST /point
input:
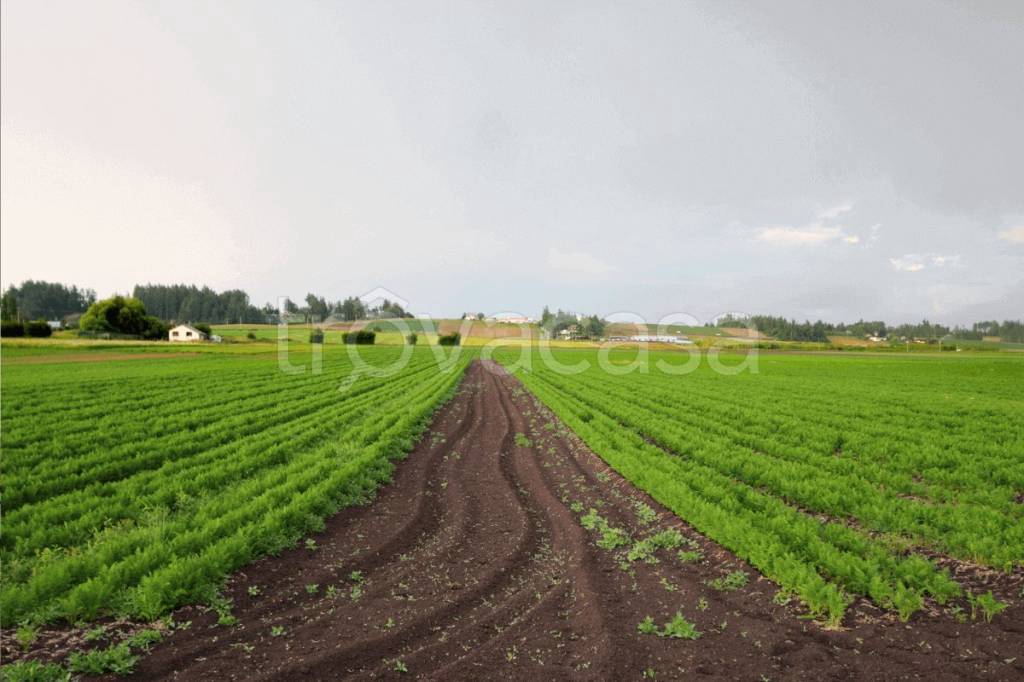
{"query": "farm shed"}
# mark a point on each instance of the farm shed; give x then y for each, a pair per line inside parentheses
(185, 332)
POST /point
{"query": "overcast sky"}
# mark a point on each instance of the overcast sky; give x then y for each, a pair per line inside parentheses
(809, 159)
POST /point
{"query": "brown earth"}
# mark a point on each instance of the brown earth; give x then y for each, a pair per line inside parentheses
(473, 564)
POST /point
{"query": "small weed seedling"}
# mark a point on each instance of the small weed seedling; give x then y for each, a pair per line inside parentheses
(647, 626)
(311, 544)
(645, 514)
(254, 590)
(680, 628)
(277, 631)
(522, 441)
(312, 588)
(688, 555)
(223, 608)
(702, 604)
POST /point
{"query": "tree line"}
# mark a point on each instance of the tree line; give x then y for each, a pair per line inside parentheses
(791, 330)
(189, 303)
(34, 300)
(38, 300)
(318, 309)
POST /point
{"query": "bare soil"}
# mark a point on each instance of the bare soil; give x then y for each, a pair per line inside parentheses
(473, 564)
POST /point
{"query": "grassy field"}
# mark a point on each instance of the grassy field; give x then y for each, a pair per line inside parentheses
(135, 483)
(828, 473)
(137, 475)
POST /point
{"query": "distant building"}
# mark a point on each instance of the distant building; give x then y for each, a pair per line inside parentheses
(661, 338)
(514, 319)
(54, 324)
(185, 332)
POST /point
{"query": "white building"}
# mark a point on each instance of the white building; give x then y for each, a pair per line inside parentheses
(661, 338)
(185, 332)
(514, 319)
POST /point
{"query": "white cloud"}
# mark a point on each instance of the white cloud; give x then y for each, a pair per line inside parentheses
(835, 211)
(810, 234)
(909, 263)
(825, 229)
(873, 237)
(1014, 234)
(940, 261)
(578, 263)
(915, 262)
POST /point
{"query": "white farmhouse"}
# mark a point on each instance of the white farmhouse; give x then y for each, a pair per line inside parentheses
(185, 332)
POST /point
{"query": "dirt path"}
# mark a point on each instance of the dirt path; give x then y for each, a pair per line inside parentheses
(473, 564)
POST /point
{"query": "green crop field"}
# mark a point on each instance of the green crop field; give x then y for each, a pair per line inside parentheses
(134, 484)
(834, 476)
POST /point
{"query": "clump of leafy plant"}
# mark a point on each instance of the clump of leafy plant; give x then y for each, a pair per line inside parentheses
(730, 582)
(26, 635)
(989, 605)
(645, 549)
(522, 441)
(611, 537)
(34, 671)
(116, 659)
(223, 608)
(143, 639)
(680, 628)
(644, 514)
(906, 602)
(647, 626)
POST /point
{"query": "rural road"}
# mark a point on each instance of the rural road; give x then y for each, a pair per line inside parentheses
(473, 563)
